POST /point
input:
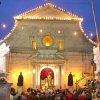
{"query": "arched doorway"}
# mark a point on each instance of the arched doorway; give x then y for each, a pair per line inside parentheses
(46, 78)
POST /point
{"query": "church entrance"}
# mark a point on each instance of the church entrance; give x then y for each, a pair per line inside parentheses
(46, 78)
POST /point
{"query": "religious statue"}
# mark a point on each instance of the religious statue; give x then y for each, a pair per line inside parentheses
(3, 51)
(20, 80)
(49, 79)
(70, 79)
(20, 83)
(92, 69)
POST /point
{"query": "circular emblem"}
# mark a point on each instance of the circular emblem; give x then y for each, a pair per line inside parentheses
(47, 40)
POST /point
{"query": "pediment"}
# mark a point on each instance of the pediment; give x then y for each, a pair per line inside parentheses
(47, 11)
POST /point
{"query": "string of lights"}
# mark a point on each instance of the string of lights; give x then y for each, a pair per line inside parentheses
(4, 29)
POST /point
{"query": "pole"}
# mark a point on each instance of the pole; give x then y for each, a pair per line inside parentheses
(94, 17)
(98, 42)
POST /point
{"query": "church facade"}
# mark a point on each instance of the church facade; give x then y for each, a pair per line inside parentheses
(46, 44)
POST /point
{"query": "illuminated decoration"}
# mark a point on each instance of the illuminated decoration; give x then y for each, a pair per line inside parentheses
(91, 34)
(63, 72)
(25, 58)
(33, 71)
(75, 33)
(59, 31)
(41, 30)
(66, 16)
(60, 45)
(4, 25)
(22, 28)
(3, 51)
(47, 40)
(34, 45)
(1, 41)
(29, 72)
(94, 43)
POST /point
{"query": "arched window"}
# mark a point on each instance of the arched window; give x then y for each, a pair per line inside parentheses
(34, 45)
(60, 45)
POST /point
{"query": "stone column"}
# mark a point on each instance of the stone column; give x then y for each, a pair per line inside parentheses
(34, 76)
(60, 77)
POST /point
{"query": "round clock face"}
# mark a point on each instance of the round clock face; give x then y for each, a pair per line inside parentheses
(47, 40)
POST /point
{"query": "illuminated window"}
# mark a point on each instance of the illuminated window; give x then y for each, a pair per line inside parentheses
(47, 40)
(34, 45)
(60, 45)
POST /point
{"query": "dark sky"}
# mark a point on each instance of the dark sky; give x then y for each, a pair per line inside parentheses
(82, 8)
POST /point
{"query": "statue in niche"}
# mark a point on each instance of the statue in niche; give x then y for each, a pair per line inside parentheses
(49, 79)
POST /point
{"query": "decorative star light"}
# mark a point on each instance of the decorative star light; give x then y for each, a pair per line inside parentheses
(4, 25)
(75, 33)
(91, 34)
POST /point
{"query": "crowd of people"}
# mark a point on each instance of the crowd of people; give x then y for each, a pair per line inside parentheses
(91, 90)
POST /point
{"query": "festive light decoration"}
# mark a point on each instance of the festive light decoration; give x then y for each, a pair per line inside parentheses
(72, 17)
(59, 31)
(41, 30)
(94, 43)
(91, 34)
(22, 27)
(75, 33)
(4, 25)
(3, 40)
(34, 71)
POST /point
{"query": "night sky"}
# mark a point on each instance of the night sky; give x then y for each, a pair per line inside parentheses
(81, 8)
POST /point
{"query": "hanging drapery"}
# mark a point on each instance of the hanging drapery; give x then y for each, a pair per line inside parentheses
(44, 73)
